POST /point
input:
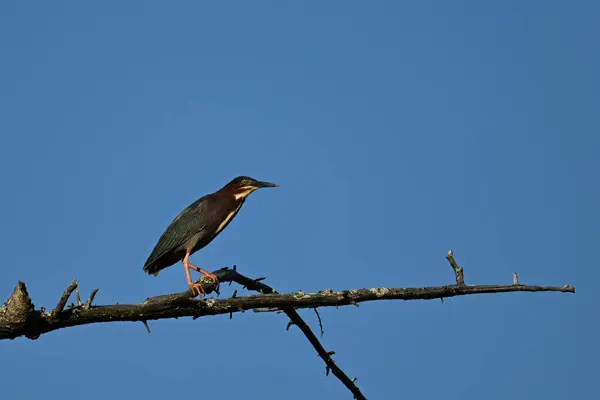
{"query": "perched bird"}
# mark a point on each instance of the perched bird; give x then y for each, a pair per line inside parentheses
(197, 225)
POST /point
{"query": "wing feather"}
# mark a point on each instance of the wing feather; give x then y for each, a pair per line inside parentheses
(188, 223)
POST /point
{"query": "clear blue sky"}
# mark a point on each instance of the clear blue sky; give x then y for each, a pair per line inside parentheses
(396, 130)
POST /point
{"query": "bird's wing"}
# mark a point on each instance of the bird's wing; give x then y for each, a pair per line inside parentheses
(188, 223)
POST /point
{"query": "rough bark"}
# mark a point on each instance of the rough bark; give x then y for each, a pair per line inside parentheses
(18, 317)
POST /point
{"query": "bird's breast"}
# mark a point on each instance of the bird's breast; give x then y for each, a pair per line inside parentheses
(228, 218)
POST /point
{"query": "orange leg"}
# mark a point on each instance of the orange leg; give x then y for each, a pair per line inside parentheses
(194, 287)
(205, 272)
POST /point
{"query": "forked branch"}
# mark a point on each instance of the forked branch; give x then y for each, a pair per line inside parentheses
(18, 317)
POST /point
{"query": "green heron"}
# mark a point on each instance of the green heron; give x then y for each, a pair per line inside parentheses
(197, 225)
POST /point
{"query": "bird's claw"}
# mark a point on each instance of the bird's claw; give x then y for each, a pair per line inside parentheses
(197, 289)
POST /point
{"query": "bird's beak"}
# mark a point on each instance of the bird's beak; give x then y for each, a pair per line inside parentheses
(266, 184)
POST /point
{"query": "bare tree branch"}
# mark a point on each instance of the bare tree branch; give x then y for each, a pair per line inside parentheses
(18, 316)
(183, 305)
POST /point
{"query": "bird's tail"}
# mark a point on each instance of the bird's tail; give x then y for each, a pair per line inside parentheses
(152, 269)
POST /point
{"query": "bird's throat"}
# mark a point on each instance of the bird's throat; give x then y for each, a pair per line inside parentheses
(244, 192)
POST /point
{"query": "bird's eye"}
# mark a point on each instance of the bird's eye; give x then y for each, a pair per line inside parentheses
(244, 182)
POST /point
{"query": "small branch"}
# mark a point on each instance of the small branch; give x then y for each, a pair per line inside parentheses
(324, 354)
(88, 303)
(64, 298)
(233, 296)
(320, 322)
(289, 324)
(296, 319)
(77, 296)
(458, 271)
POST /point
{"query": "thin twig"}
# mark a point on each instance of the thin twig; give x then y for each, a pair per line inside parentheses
(64, 298)
(289, 324)
(458, 271)
(320, 322)
(233, 296)
(77, 297)
(88, 303)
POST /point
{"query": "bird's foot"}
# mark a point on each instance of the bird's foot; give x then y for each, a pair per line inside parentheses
(213, 277)
(197, 289)
(204, 272)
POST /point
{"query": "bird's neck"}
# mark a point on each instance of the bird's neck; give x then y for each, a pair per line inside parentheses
(227, 201)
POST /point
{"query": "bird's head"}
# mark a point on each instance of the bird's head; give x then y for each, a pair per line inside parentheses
(242, 186)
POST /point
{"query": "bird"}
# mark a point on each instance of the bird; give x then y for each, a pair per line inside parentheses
(197, 225)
